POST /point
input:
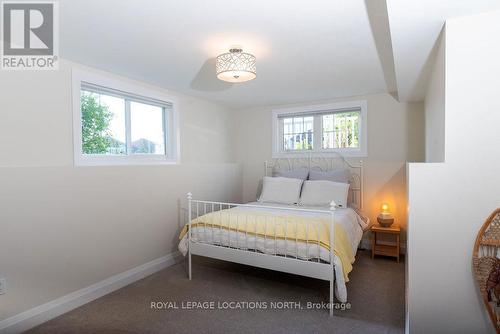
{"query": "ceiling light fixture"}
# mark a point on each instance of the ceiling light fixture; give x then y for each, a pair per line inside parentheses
(236, 66)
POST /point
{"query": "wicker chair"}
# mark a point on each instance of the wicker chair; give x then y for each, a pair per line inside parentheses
(486, 265)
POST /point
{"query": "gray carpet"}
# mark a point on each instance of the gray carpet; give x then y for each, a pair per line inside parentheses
(375, 291)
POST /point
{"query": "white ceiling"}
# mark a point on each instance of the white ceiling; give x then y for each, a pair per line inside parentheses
(415, 27)
(306, 50)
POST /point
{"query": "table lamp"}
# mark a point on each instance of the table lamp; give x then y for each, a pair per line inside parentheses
(385, 218)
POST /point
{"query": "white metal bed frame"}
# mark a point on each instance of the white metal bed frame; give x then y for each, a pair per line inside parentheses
(289, 264)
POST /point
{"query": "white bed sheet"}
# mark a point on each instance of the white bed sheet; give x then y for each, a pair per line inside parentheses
(347, 218)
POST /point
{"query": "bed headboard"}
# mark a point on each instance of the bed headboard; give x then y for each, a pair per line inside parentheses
(334, 161)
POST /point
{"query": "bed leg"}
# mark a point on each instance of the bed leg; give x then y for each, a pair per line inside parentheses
(333, 207)
(189, 265)
(331, 296)
(190, 198)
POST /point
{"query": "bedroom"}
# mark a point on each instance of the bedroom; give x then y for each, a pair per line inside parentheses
(375, 95)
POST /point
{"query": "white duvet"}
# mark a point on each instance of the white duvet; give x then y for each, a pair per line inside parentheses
(347, 218)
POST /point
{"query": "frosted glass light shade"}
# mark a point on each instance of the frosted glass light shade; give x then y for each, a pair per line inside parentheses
(236, 66)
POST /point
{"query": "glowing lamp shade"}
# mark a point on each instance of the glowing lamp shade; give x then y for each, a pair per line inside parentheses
(236, 66)
(384, 207)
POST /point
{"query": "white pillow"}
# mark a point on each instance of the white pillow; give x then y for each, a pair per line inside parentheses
(321, 193)
(280, 190)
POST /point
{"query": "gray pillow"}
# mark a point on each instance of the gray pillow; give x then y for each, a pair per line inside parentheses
(341, 175)
(300, 173)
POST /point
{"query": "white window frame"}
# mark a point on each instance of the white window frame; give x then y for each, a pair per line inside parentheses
(362, 151)
(172, 147)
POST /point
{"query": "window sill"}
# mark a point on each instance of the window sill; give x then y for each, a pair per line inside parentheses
(126, 161)
(319, 154)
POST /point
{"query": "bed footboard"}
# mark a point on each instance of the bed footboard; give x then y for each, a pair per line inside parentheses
(291, 255)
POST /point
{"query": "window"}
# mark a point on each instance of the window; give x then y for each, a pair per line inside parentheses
(321, 129)
(340, 130)
(298, 133)
(115, 123)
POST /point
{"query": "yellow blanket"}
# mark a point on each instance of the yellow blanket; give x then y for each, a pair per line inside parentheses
(273, 225)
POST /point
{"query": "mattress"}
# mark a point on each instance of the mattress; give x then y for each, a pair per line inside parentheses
(351, 222)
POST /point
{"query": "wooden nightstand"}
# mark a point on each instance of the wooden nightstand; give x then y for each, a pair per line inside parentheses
(386, 250)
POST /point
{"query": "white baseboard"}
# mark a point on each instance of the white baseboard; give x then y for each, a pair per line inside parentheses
(42, 313)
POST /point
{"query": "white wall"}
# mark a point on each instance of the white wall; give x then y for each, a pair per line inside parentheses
(434, 108)
(395, 135)
(64, 228)
(449, 202)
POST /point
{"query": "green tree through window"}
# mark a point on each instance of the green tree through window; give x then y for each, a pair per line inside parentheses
(96, 137)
